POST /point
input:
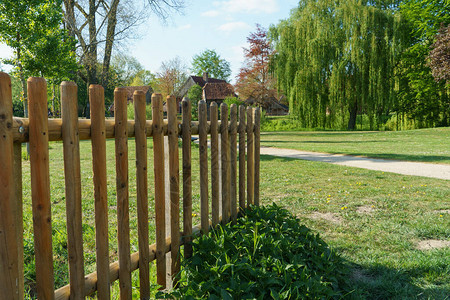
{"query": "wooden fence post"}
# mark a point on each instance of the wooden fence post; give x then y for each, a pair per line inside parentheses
(203, 153)
(214, 164)
(233, 162)
(242, 146)
(9, 259)
(225, 154)
(123, 218)
(250, 158)
(174, 177)
(158, 156)
(142, 191)
(98, 137)
(72, 174)
(40, 186)
(257, 153)
(187, 179)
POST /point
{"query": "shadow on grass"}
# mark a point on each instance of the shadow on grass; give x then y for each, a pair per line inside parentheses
(326, 142)
(380, 282)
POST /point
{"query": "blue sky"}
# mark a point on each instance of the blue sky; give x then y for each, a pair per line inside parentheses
(222, 25)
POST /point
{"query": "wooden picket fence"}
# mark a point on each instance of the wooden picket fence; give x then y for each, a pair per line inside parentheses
(239, 185)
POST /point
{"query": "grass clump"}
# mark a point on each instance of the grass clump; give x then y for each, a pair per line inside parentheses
(268, 254)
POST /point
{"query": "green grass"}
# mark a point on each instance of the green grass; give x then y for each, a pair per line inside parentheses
(427, 145)
(380, 246)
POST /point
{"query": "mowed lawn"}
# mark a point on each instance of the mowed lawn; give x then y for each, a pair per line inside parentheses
(427, 145)
(375, 220)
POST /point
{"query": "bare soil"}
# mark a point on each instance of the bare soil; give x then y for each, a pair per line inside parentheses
(432, 244)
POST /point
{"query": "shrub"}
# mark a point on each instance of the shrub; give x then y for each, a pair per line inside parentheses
(268, 254)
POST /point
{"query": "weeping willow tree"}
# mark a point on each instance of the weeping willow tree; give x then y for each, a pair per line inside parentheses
(336, 59)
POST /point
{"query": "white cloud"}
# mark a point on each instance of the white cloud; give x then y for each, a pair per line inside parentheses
(228, 27)
(185, 27)
(248, 6)
(210, 13)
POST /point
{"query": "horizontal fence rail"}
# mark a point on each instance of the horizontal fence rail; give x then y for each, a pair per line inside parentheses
(233, 167)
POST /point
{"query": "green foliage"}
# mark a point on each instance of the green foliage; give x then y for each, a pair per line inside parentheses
(130, 111)
(211, 62)
(232, 100)
(195, 95)
(268, 254)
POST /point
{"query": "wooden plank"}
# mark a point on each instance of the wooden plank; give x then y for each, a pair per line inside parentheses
(257, 154)
(203, 153)
(18, 202)
(233, 162)
(72, 176)
(142, 192)
(40, 186)
(9, 252)
(123, 208)
(214, 164)
(225, 155)
(187, 177)
(98, 132)
(160, 217)
(250, 158)
(174, 177)
(241, 129)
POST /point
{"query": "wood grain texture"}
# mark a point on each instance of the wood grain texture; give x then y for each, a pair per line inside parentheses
(9, 259)
(142, 192)
(203, 156)
(241, 129)
(98, 132)
(233, 162)
(40, 186)
(214, 164)
(257, 124)
(250, 158)
(225, 156)
(174, 177)
(158, 157)
(72, 175)
(187, 177)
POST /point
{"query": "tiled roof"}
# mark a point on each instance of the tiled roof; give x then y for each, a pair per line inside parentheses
(201, 82)
(132, 89)
(218, 91)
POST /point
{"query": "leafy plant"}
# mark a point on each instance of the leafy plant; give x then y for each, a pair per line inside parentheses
(268, 254)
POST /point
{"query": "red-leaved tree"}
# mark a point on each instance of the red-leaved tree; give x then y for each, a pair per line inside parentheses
(439, 58)
(254, 80)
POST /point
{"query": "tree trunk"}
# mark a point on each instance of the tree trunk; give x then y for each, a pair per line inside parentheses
(353, 110)
(110, 34)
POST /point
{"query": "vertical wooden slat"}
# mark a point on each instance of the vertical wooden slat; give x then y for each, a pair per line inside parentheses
(203, 153)
(9, 265)
(40, 186)
(72, 173)
(241, 129)
(225, 154)
(174, 177)
(214, 164)
(257, 153)
(187, 179)
(98, 137)
(233, 161)
(142, 191)
(123, 218)
(158, 157)
(250, 158)
(18, 203)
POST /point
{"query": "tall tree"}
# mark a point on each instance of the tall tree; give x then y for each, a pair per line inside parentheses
(40, 45)
(170, 77)
(210, 61)
(439, 57)
(254, 79)
(337, 58)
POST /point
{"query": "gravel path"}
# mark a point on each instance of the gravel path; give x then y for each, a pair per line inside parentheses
(440, 171)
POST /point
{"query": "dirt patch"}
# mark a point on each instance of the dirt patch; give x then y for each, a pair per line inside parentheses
(331, 217)
(442, 211)
(365, 209)
(432, 244)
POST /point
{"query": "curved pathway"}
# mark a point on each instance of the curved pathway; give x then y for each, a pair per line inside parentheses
(440, 171)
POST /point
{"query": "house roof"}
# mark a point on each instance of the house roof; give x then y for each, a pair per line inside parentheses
(132, 89)
(201, 81)
(218, 91)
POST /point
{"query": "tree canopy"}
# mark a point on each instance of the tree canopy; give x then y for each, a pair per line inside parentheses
(211, 62)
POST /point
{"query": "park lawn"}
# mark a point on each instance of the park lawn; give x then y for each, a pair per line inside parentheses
(427, 145)
(380, 245)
